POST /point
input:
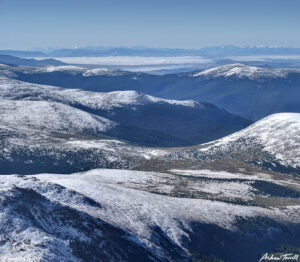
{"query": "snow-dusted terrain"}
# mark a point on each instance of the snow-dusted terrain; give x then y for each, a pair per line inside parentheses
(50, 116)
(53, 215)
(38, 115)
(14, 89)
(126, 115)
(273, 142)
(244, 71)
(41, 129)
(220, 199)
(249, 91)
(279, 134)
(27, 149)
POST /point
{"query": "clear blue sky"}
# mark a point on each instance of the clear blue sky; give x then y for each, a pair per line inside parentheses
(28, 24)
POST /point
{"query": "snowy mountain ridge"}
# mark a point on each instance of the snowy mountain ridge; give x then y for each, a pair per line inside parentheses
(50, 116)
(279, 134)
(243, 71)
(272, 143)
(14, 89)
(70, 69)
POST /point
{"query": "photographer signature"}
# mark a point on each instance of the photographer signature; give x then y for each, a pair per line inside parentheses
(284, 257)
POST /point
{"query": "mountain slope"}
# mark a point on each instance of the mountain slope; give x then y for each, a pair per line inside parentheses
(241, 71)
(273, 142)
(37, 228)
(251, 92)
(51, 116)
(143, 119)
(110, 215)
(43, 136)
(13, 60)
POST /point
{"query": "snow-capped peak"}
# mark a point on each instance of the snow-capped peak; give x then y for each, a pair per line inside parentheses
(242, 71)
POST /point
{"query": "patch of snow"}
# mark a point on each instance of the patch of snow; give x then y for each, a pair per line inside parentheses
(49, 69)
(229, 189)
(95, 72)
(219, 174)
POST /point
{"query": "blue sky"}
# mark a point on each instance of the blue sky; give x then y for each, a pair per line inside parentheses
(28, 24)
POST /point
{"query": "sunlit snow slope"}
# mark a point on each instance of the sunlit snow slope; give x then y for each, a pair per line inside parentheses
(135, 117)
(102, 215)
(244, 71)
(273, 142)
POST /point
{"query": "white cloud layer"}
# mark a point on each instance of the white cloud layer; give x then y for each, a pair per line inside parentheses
(134, 60)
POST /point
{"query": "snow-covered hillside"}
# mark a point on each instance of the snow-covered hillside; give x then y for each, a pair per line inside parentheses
(249, 91)
(33, 145)
(149, 204)
(49, 217)
(47, 109)
(273, 142)
(50, 116)
(14, 89)
(244, 71)
(278, 134)
(142, 119)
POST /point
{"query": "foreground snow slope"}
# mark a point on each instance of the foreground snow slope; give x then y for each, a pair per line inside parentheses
(50, 212)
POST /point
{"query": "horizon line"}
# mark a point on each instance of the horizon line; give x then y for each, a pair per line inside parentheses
(40, 49)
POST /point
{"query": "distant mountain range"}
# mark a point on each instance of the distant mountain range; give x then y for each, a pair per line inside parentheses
(252, 92)
(145, 51)
(13, 60)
